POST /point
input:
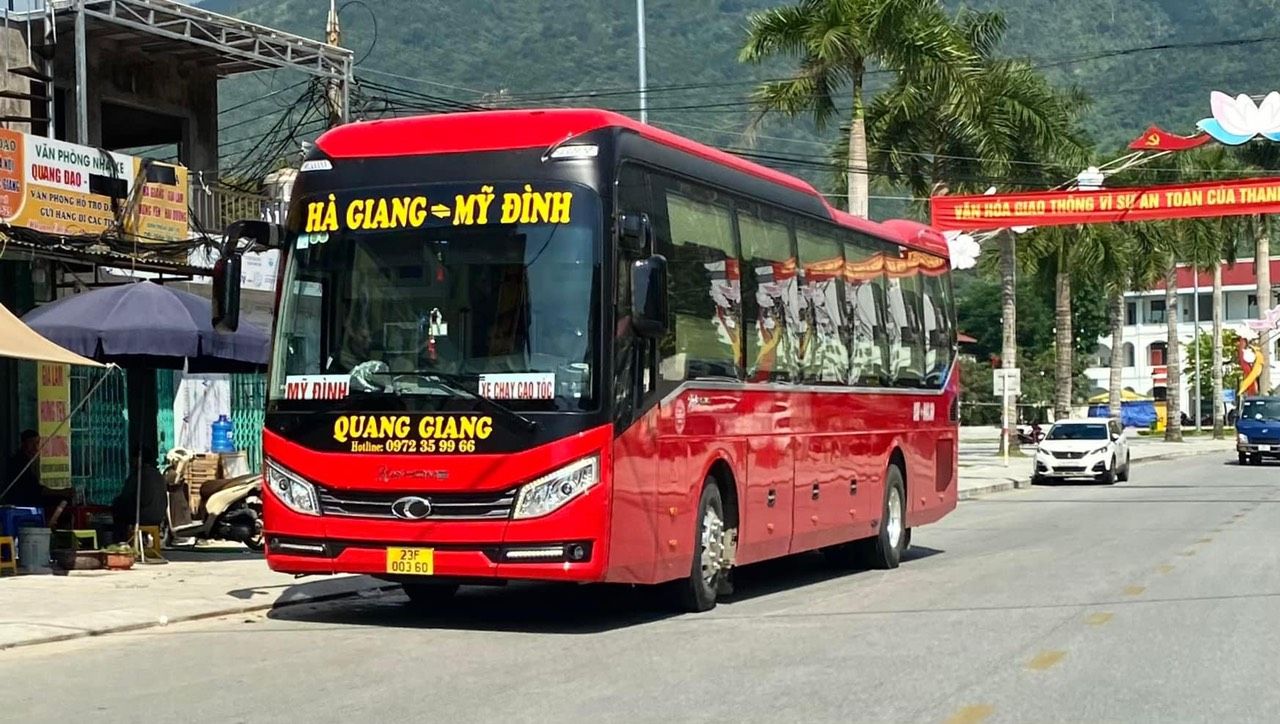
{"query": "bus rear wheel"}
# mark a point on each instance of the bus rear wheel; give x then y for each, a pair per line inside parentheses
(697, 593)
(885, 550)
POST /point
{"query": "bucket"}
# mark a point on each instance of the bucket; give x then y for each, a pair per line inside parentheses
(33, 550)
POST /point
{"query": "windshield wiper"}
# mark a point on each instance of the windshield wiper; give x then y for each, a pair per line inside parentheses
(362, 381)
(454, 383)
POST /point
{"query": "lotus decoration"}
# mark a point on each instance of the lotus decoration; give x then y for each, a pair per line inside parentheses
(1238, 120)
(963, 250)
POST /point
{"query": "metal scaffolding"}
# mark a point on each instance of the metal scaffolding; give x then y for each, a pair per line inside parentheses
(182, 32)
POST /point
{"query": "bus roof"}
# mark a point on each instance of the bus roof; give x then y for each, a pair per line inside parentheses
(507, 130)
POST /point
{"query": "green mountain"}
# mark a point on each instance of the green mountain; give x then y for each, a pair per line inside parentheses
(431, 53)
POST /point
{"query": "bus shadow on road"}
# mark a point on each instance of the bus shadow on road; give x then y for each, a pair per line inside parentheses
(800, 571)
(547, 608)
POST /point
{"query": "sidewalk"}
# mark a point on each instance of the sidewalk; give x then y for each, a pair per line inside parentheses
(195, 584)
(983, 472)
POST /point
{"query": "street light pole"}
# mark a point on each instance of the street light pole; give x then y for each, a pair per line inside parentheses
(644, 100)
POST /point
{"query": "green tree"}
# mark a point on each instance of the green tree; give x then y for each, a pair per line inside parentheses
(1064, 256)
(835, 43)
(1216, 369)
(931, 130)
(1209, 244)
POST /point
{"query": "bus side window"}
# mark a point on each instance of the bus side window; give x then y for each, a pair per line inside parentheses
(906, 310)
(865, 315)
(770, 299)
(825, 358)
(705, 281)
(939, 334)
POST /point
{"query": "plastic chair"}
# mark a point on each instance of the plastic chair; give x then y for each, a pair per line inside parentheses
(8, 557)
(80, 540)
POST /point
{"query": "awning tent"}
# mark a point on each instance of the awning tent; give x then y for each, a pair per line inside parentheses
(1126, 395)
(19, 341)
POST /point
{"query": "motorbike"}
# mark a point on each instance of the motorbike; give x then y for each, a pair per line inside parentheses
(230, 508)
(1030, 434)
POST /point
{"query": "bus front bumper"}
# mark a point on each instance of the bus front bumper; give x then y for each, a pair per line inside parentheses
(567, 545)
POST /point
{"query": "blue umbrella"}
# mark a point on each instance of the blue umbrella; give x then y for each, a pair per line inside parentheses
(148, 325)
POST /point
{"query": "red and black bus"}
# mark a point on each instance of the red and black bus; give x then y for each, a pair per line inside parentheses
(563, 345)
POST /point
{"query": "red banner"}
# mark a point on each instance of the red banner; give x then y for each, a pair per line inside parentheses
(1065, 208)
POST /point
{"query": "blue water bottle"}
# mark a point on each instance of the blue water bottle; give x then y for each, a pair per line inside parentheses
(223, 435)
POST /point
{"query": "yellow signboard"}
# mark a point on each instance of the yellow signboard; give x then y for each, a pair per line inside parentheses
(69, 190)
(53, 395)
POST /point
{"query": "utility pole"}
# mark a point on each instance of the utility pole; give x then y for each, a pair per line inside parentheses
(336, 89)
(644, 99)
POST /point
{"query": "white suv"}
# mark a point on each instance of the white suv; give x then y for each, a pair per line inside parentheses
(1093, 448)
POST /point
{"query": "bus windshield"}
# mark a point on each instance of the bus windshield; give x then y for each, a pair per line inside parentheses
(504, 310)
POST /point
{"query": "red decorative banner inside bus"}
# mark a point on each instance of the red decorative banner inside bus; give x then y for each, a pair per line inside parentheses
(1064, 208)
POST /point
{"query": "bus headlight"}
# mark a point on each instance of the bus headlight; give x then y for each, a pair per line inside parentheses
(1242, 438)
(551, 491)
(291, 489)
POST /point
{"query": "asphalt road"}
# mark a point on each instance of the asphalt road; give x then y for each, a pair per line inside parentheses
(1156, 600)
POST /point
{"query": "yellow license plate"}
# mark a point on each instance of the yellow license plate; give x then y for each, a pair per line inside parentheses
(411, 561)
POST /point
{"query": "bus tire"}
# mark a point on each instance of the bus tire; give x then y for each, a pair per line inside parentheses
(884, 551)
(429, 595)
(697, 593)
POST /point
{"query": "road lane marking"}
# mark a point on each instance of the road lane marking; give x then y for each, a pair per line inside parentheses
(1164, 568)
(1134, 590)
(1046, 660)
(971, 714)
(1097, 619)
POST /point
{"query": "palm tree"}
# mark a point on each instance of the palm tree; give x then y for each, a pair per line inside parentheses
(931, 128)
(836, 42)
(1114, 270)
(1154, 258)
(1173, 361)
(1068, 254)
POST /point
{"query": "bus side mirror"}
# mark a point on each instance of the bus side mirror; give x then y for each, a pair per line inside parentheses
(226, 271)
(649, 297)
(262, 235)
(635, 232)
(226, 293)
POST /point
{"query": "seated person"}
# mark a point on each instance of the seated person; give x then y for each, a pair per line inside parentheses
(26, 489)
(125, 509)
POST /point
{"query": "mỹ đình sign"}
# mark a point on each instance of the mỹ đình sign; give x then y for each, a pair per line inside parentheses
(1064, 208)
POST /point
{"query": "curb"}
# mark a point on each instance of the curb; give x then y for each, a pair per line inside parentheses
(202, 615)
(1007, 484)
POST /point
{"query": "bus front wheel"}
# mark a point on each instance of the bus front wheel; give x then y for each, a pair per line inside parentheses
(697, 593)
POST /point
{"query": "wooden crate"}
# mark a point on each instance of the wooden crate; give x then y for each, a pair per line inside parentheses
(202, 468)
